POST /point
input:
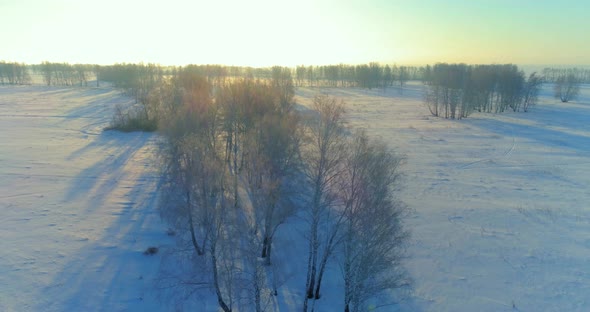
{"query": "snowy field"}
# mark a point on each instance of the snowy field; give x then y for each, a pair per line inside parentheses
(500, 204)
(77, 205)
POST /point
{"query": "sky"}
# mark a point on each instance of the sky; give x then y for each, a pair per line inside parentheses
(291, 32)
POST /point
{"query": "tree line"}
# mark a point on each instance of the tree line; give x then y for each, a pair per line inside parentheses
(14, 73)
(136, 79)
(64, 74)
(456, 90)
(582, 75)
(371, 75)
(241, 164)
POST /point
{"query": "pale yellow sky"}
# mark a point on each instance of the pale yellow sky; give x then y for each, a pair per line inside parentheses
(271, 32)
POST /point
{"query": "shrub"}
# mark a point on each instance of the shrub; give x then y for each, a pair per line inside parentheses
(151, 251)
(134, 119)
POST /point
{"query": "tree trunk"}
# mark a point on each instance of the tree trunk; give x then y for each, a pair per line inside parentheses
(257, 288)
(220, 300)
(311, 287)
(198, 249)
(308, 280)
(267, 243)
(325, 258)
(264, 243)
(235, 169)
(312, 265)
(319, 283)
(268, 250)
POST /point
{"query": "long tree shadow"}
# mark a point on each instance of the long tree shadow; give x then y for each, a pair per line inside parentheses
(114, 149)
(100, 179)
(120, 193)
(114, 197)
(99, 103)
(558, 126)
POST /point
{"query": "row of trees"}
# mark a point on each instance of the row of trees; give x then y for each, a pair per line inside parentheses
(139, 80)
(372, 75)
(581, 75)
(456, 90)
(14, 73)
(240, 163)
(136, 80)
(64, 74)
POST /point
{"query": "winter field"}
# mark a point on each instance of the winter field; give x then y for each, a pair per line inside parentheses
(500, 205)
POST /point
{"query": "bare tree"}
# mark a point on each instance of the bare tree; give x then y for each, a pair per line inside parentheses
(272, 151)
(402, 77)
(282, 85)
(81, 73)
(323, 155)
(197, 171)
(387, 77)
(47, 72)
(96, 70)
(567, 87)
(456, 90)
(311, 75)
(531, 91)
(14, 73)
(235, 101)
(374, 236)
(300, 72)
(222, 243)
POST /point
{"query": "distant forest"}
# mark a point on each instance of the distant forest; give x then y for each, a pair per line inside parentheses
(371, 75)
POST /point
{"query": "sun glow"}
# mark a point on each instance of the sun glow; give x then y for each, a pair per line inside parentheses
(265, 32)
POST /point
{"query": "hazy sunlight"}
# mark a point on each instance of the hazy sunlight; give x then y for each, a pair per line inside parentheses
(264, 32)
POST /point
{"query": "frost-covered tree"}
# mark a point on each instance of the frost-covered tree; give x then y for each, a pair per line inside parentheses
(271, 164)
(202, 206)
(323, 156)
(374, 236)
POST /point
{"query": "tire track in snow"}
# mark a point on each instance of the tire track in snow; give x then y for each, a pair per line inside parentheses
(506, 154)
(26, 175)
(45, 116)
(92, 129)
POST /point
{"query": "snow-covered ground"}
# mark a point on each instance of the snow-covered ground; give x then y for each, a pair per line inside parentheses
(77, 205)
(500, 221)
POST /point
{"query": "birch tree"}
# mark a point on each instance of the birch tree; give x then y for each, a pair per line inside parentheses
(273, 170)
(531, 91)
(323, 155)
(374, 235)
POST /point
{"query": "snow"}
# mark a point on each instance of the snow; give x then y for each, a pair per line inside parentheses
(500, 218)
(76, 204)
